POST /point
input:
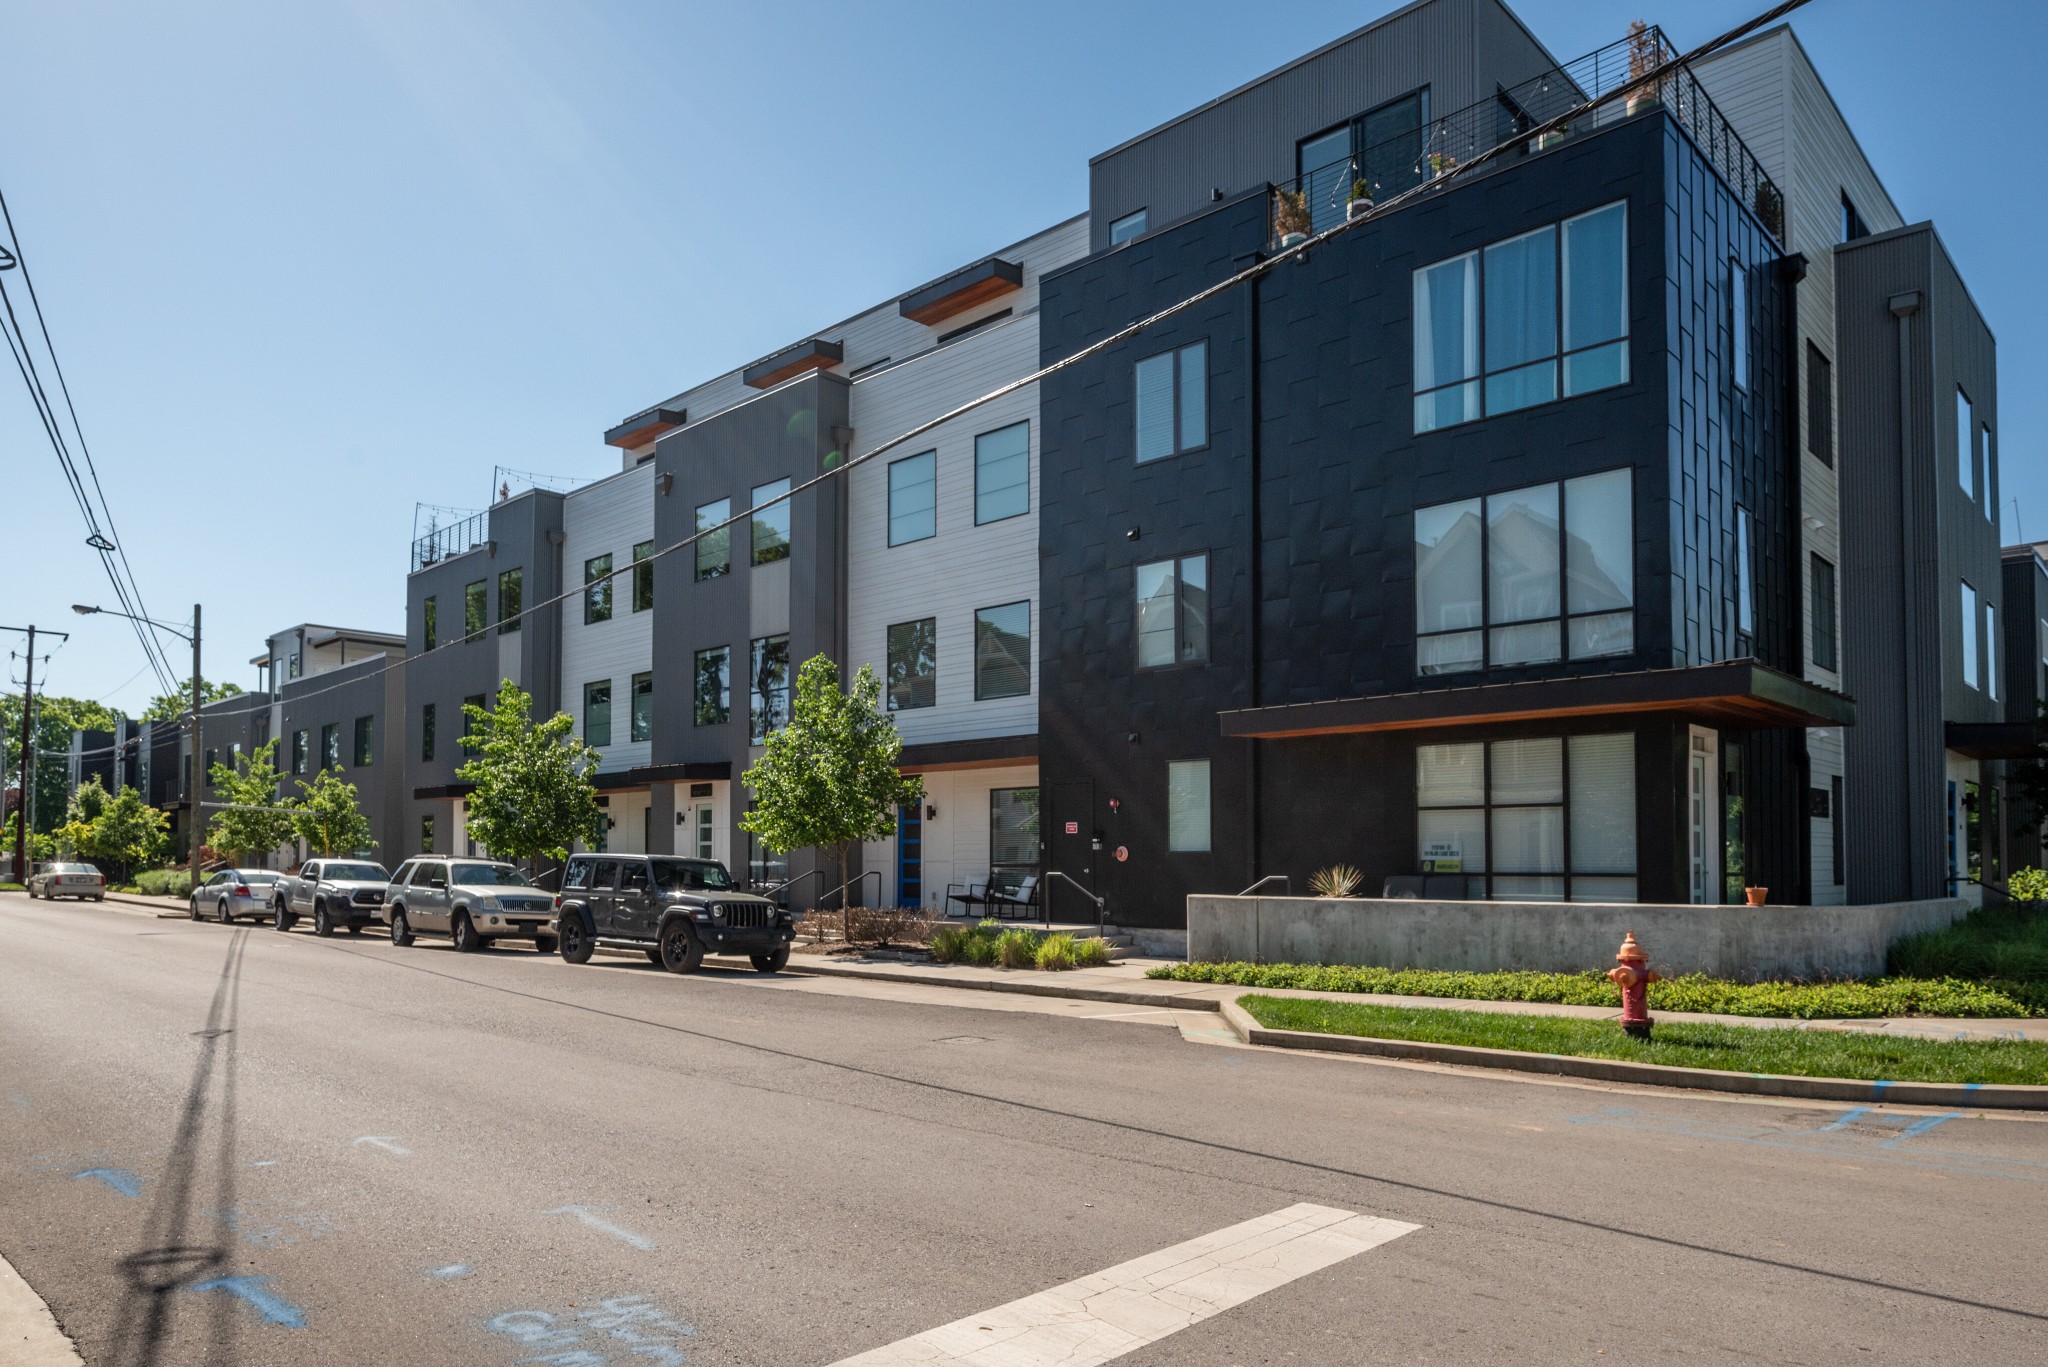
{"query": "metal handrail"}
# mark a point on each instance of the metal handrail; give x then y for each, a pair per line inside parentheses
(788, 883)
(866, 874)
(1101, 906)
(1280, 878)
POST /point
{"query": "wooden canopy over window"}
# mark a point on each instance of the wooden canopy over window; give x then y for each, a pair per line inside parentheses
(642, 428)
(816, 354)
(962, 290)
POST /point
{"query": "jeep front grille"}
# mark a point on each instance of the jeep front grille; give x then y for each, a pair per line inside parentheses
(747, 915)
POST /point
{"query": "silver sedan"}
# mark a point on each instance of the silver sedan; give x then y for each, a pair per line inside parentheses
(67, 880)
(234, 893)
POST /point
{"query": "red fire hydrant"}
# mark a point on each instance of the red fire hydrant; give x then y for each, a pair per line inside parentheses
(1632, 975)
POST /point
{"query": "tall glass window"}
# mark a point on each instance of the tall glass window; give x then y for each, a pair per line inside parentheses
(330, 746)
(475, 609)
(914, 498)
(1820, 405)
(714, 548)
(1991, 650)
(1969, 625)
(1521, 321)
(1966, 455)
(597, 713)
(1447, 343)
(1013, 829)
(430, 624)
(712, 702)
(1002, 473)
(1552, 577)
(1823, 614)
(1187, 806)
(366, 741)
(1173, 611)
(299, 744)
(1596, 300)
(771, 524)
(643, 576)
(426, 740)
(642, 723)
(1172, 402)
(913, 664)
(1745, 581)
(768, 708)
(1002, 651)
(1738, 322)
(511, 600)
(597, 590)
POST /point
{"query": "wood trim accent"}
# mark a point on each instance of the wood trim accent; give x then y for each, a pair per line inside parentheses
(642, 428)
(816, 354)
(962, 290)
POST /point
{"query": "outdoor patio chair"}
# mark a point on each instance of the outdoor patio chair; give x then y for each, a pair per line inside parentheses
(1023, 897)
(968, 895)
(1407, 885)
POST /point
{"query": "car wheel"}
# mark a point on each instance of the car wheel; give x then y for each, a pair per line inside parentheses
(99, 897)
(544, 944)
(323, 924)
(654, 957)
(192, 906)
(681, 950)
(222, 914)
(575, 942)
(774, 961)
(467, 941)
(401, 929)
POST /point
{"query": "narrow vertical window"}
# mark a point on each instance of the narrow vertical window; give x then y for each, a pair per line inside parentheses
(1738, 323)
(1602, 771)
(913, 664)
(597, 589)
(427, 834)
(511, 600)
(1820, 405)
(1187, 806)
(1835, 828)
(1990, 480)
(1447, 343)
(768, 708)
(1002, 651)
(1595, 293)
(1745, 582)
(1991, 650)
(770, 529)
(430, 625)
(330, 747)
(641, 726)
(713, 687)
(299, 757)
(1966, 455)
(1002, 473)
(366, 741)
(1172, 402)
(1823, 613)
(469, 723)
(426, 736)
(1449, 569)
(597, 713)
(914, 498)
(1521, 321)
(475, 609)
(1523, 575)
(1599, 525)
(1969, 627)
(643, 576)
(714, 547)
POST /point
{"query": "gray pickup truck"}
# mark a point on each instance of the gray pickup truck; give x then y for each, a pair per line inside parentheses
(334, 892)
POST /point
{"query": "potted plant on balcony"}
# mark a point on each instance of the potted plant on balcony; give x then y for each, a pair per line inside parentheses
(1645, 55)
(1291, 221)
(1441, 164)
(1360, 202)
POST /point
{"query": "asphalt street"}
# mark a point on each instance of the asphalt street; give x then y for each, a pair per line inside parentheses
(243, 1147)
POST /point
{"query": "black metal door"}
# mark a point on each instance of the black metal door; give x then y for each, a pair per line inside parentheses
(1069, 849)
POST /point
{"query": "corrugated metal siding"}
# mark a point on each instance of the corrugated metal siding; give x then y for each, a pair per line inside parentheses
(1461, 49)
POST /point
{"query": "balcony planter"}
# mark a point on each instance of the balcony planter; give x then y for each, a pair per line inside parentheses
(1441, 164)
(1360, 203)
(1291, 221)
(1642, 102)
(1755, 896)
(1546, 141)
(1291, 240)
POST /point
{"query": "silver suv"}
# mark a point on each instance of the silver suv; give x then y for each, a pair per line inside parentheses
(471, 901)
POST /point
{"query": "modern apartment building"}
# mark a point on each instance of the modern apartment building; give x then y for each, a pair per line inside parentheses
(1547, 537)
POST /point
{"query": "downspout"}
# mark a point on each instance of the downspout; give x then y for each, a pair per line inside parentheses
(1903, 308)
(1253, 806)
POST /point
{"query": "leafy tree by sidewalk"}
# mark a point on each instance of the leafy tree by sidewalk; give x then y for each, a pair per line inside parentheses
(828, 780)
(250, 782)
(532, 792)
(128, 832)
(328, 818)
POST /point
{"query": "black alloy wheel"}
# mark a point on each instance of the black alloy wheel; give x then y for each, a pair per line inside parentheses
(774, 961)
(576, 945)
(681, 950)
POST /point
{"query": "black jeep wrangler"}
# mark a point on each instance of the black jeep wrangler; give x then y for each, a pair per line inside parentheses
(674, 910)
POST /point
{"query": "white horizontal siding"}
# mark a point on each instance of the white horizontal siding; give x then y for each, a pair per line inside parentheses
(956, 841)
(964, 567)
(608, 518)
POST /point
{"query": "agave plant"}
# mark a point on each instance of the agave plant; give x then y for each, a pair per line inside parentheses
(1338, 880)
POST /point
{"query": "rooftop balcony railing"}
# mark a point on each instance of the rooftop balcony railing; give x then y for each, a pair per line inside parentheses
(1320, 198)
(445, 539)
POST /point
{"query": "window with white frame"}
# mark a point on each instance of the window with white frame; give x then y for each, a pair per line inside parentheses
(1543, 819)
(1523, 321)
(1526, 576)
(1172, 405)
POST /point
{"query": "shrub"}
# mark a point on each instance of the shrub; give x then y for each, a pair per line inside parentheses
(949, 943)
(980, 950)
(1016, 949)
(884, 925)
(2028, 886)
(1338, 880)
(1055, 952)
(163, 882)
(1091, 953)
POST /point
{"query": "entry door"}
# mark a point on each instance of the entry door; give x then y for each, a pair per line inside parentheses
(703, 830)
(910, 855)
(1069, 845)
(1702, 807)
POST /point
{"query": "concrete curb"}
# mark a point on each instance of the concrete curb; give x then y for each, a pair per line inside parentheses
(1022, 987)
(1962, 1095)
(155, 903)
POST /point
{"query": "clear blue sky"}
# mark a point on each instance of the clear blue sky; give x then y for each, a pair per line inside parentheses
(307, 265)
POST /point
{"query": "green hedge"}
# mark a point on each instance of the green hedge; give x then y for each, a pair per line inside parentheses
(1693, 992)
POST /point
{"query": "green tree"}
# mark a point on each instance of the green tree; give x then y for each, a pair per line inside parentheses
(531, 794)
(169, 706)
(249, 783)
(126, 834)
(328, 818)
(56, 718)
(828, 780)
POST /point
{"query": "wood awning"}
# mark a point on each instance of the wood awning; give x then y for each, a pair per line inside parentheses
(961, 291)
(642, 428)
(1737, 693)
(816, 354)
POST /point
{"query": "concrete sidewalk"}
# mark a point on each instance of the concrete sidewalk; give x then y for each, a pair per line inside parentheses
(1125, 982)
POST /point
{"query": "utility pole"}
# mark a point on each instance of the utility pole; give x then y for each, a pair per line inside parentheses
(198, 750)
(28, 695)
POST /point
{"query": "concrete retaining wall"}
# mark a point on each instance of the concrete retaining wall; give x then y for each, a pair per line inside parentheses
(1747, 943)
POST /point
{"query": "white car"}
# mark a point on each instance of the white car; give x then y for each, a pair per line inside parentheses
(67, 880)
(232, 894)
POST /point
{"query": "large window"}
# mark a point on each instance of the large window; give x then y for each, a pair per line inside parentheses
(643, 576)
(475, 609)
(713, 688)
(1820, 405)
(1002, 651)
(1505, 580)
(430, 625)
(1546, 819)
(511, 600)
(914, 498)
(1523, 321)
(1187, 806)
(1173, 611)
(771, 524)
(366, 741)
(913, 664)
(330, 746)
(768, 706)
(1013, 828)
(1966, 455)
(1122, 230)
(1002, 473)
(597, 589)
(299, 752)
(642, 723)
(1173, 402)
(426, 735)
(1824, 654)
(714, 548)
(597, 713)
(1969, 628)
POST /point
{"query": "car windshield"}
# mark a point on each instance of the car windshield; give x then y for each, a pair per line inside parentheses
(359, 873)
(490, 876)
(691, 876)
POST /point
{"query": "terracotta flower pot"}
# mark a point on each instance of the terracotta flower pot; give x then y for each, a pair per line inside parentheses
(1756, 896)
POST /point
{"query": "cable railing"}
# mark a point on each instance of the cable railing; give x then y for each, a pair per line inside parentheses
(1323, 196)
(446, 539)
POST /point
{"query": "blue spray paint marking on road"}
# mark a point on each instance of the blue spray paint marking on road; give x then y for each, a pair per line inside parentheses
(120, 1179)
(273, 1224)
(19, 1100)
(1920, 1126)
(1834, 1147)
(1845, 1119)
(256, 1293)
(451, 1271)
(633, 1324)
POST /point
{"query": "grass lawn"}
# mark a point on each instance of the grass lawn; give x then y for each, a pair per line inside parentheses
(1729, 1048)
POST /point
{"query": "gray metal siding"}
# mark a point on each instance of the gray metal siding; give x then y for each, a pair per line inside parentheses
(1461, 49)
